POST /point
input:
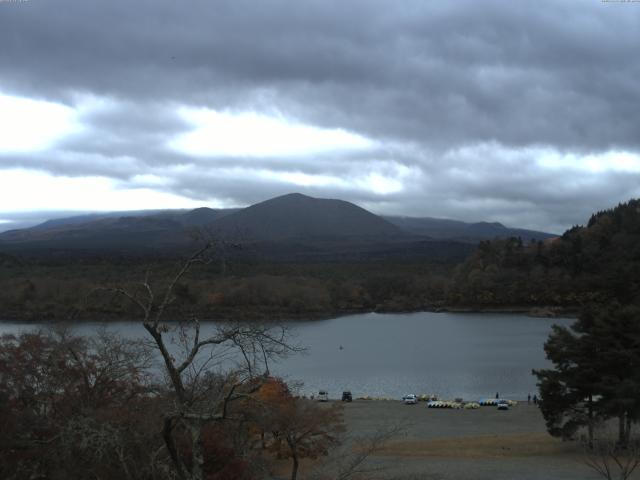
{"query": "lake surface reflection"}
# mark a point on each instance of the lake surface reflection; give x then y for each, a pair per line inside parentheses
(468, 355)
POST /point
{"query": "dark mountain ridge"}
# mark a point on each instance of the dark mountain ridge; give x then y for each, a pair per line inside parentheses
(441, 228)
(289, 223)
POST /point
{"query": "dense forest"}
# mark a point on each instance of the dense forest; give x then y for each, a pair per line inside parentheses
(40, 290)
(597, 262)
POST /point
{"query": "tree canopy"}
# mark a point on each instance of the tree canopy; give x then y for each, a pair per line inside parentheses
(597, 263)
(596, 374)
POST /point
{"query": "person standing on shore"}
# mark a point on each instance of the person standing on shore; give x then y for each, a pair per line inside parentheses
(529, 398)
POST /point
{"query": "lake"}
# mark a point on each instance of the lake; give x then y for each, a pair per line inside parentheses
(468, 355)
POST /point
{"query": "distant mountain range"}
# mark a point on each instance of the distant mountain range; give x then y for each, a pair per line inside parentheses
(444, 229)
(279, 223)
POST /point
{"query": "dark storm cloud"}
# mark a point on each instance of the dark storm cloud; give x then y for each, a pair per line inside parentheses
(561, 73)
(426, 80)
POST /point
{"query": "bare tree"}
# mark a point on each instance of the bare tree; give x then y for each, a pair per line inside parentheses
(303, 429)
(353, 459)
(203, 391)
(612, 461)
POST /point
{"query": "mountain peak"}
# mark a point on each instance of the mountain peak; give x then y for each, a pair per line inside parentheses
(298, 216)
(200, 210)
(291, 197)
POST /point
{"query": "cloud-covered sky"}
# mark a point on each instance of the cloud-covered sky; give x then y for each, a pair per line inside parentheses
(526, 113)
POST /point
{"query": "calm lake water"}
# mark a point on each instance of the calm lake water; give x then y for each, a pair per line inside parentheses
(468, 355)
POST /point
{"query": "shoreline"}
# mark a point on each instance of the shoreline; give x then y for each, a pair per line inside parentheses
(242, 316)
(541, 311)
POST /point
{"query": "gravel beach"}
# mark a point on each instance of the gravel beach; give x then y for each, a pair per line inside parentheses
(482, 444)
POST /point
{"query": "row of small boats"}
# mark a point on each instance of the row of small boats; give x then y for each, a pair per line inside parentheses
(433, 401)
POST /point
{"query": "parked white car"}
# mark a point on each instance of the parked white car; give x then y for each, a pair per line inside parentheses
(410, 399)
(323, 396)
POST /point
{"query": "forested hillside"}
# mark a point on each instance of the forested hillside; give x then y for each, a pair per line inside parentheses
(597, 262)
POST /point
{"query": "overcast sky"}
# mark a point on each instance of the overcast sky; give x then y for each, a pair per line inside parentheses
(522, 112)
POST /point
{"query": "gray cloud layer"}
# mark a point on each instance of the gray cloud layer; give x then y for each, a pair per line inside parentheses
(464, 93)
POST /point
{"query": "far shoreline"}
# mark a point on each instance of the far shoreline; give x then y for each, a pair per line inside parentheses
(281, 317)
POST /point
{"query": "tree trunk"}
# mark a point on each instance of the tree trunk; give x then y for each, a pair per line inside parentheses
(590, 425)
(294, 467)
(167, 435)
(174, 374)
(294, 457)
(621, 430)
(197, 452)
(627, 433)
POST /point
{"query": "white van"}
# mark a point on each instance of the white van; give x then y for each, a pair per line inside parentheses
(410, 399)
(323, 396)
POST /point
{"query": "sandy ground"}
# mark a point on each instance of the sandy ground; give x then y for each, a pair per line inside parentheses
(483, 444)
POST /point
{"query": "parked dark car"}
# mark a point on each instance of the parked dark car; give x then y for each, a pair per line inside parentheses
(347, 397)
